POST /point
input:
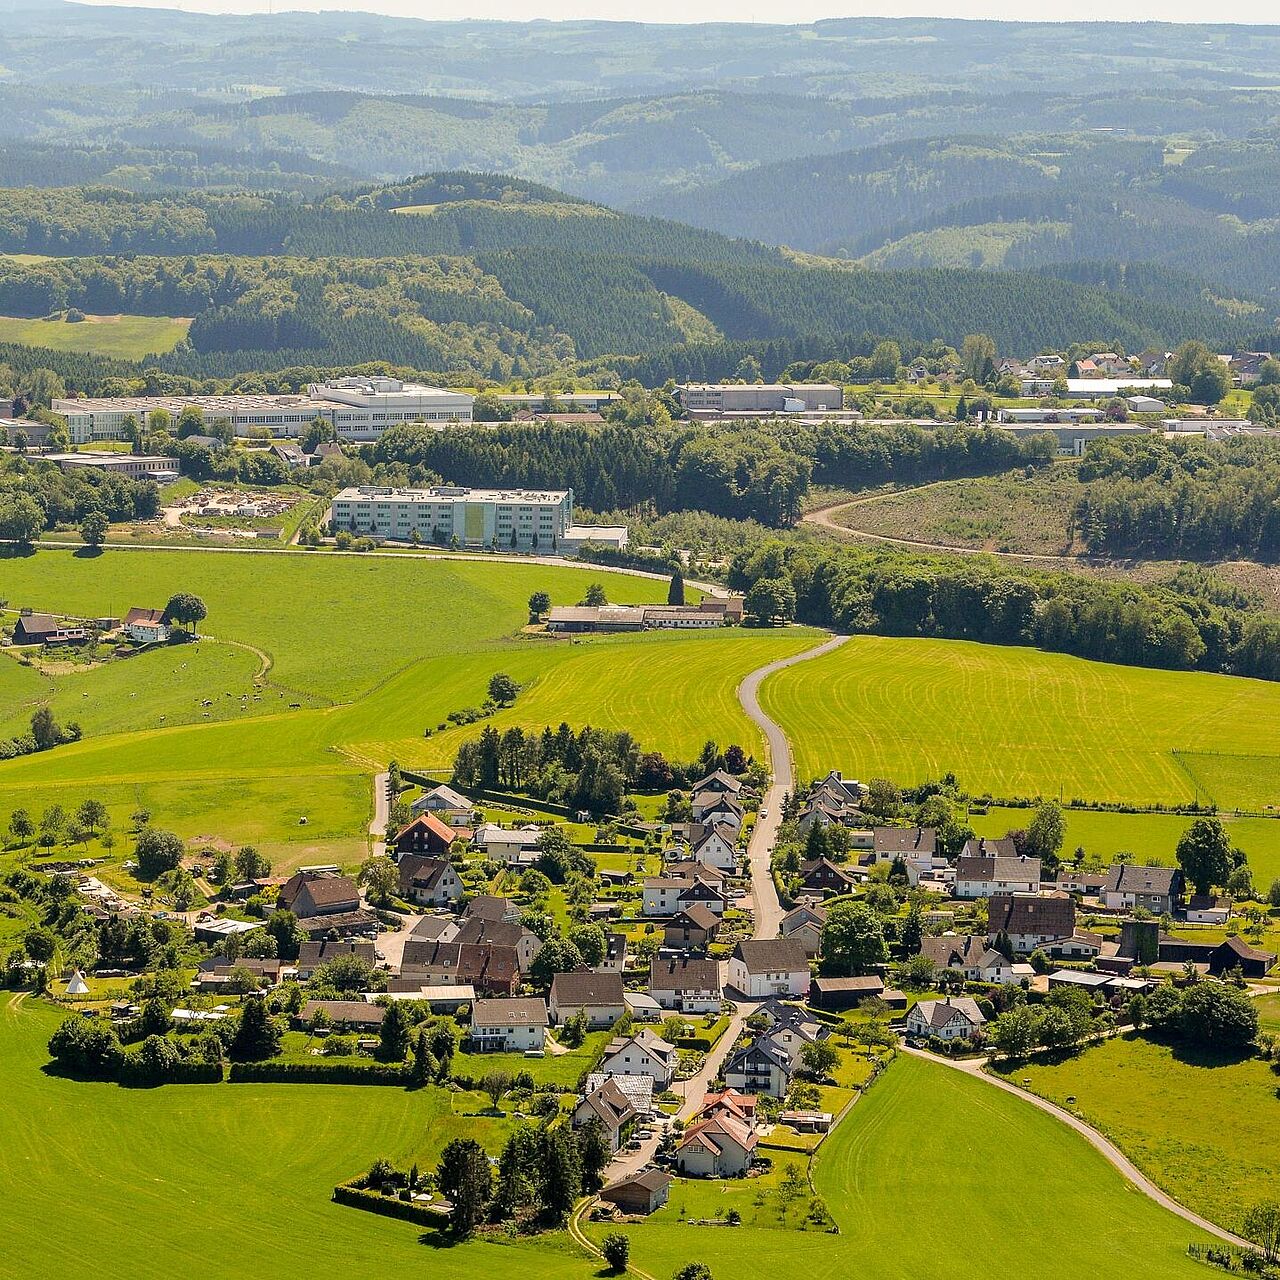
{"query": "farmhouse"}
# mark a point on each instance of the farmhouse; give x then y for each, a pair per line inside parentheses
(1156, 889)
(762, 967)
(428, 882)
(319, 894)
(1030, 921)
(146, 626)
(425, 834)
(500, 933)
(955, 1018)
(598, 995)
(42, 628)
(973, 957)
(685, 984)
(513, 1025)
(447, 804)
(311, 955)
(492, 970)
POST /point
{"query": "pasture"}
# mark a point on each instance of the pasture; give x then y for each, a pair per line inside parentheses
(1013, 721)
(1201, 1129)
(908, 1175)
(126, 337)
(159, 1181)
(363, 656)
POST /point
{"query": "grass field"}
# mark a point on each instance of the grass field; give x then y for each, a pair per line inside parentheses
(1205, 1132)
(151, 1182)
(127, 337)
(1145, 835)
(364, 656)
(995, 513)
(909, 1175)
(1021, 722)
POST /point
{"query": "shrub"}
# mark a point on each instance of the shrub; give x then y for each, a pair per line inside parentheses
(616, 1249)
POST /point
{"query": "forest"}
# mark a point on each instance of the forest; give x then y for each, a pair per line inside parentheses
(1182, 498)
(35, 496)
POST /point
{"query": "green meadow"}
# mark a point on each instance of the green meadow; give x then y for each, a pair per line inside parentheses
(1202, 1129)
(933, 1174)
(1021, 722)
(123, 336)
(363, 656)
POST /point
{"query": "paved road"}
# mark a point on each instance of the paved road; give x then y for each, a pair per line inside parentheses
(381, 814)
(767, 909)
(1109, 1151)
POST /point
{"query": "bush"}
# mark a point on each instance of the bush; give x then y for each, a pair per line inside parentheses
(616, 1249)
(319, 1073)
(86, 1045)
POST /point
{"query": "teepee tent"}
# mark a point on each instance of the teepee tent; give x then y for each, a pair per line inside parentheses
(77, 986)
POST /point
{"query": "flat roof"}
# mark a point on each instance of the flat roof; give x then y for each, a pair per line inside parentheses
(452, 493)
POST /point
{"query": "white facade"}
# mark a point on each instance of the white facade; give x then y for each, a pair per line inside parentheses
(515, 519)
(715, 851)
(770, 982)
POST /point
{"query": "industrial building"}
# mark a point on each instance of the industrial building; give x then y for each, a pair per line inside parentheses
(135, 466)
(358, 408)
(724, 399)
(508, 519)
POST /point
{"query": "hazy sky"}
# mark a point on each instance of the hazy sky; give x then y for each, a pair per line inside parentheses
(1263, 11)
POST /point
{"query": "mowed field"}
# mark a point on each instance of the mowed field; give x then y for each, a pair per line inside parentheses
(364, 655)
(99, 1181)
(909, 1177)
(1013, 721)
(1203, 1130)
(127, 337)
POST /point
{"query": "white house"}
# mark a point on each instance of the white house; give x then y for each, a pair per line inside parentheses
(146, 626)
(1030, 921)
(598, 995)
(509, 1025)
(804, 925)
(762, 967)
(507, 846)
(608, 1104)
(717, 847)
(686, 984)
(982, 876)
(955, 1018)
(644, 1053)
(718, 1147)
(716, 807)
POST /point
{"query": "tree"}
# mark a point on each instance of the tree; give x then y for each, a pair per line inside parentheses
(615, 1248)
(85, 1044)
(693, 1271)
(1045, 832)
(557, 955)
(185, 610)
(44, 729)
(595, 596)
(539, 603)
(1216, 1016)
(426, 1066)
(380, 880)
(591, 943)
(463, 1176)
(852, 940)
(496, 1084)
(1261, 1224)
(978, 356)
(503, 689)
(93, 528)
(1016, 1033)
(1273, 894)
(52, 823)
(92, 814)
(675, 590)
(250, 864)
(257, 1036)
(771, 600)
(819, 1059)
(911, 934)
(157, 852)
(21, 828)
(393, 1039)
(593, 1146)
(284, 928)
(561, 1173)
(1205, 854)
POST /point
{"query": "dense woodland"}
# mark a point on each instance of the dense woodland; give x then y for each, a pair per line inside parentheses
(36, 495)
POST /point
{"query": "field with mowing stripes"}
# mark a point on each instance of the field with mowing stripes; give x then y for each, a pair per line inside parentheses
(364, 656)
(908, 1177)
(1020, 722)
(155, 1182)
(127, 337)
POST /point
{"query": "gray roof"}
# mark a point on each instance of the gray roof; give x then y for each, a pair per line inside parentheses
(1124, 878)
(772, 955)
(522, 1011)
(587, 988)
(937, 1013)
(986, 870)
(684, 973)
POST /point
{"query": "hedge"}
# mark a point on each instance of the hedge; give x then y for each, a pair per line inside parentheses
(319, 1073)
(388, 1206)
(132, 1072)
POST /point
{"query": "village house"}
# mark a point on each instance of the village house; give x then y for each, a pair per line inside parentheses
(318, 893)
(639, 1193)
(1088, 884)
(447, 804)
(820, 877)
(500, 933)
(678, 889)
(981, 876)
(803, 924)
(215, 972)
(1030, 921)
(352, 1015)
(513, 1026)
(491, 970)
(44, 629)
(691, 929)
(954, 1018)
(716, 847)
(428, 882)
(718, 782)
(615, 954)
(916, 847)
(714, 808)
(598, 995)
(1155, 889)
(760, 1067)
(975, 958)
(1206, 908)
(427, 833)
(741, 1106)
(512, 847)
(492, 908)
(761, 967)
(146, 626)
(718, 1147)
(644, 1053)
(686, 984)
(611, 1106)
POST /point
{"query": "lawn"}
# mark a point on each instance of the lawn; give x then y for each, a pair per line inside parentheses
(1014, 721)
(908, 1177)
(1145, 835)
(123, 336)
(1202, 1130)
(150, 1182)
(364, 656)
(562, 1069)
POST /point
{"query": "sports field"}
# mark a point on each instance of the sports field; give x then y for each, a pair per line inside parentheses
(127, 337)
(1020, 722)
(363, 656)
(1203, 1130)
(160, 1182)
(932, 1175)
